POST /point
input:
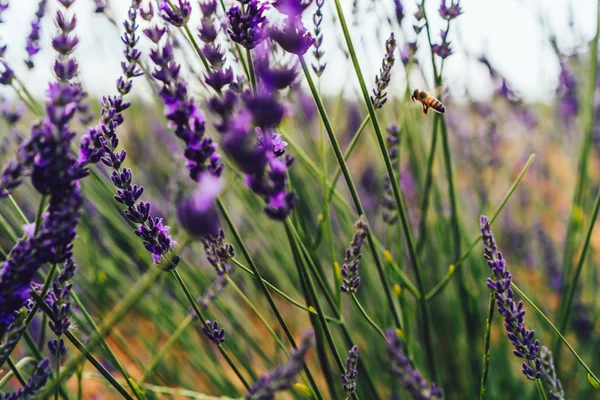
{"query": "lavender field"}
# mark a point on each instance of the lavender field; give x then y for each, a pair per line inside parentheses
(256, 199)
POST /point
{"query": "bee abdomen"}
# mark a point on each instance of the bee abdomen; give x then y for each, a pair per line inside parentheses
(436, 105)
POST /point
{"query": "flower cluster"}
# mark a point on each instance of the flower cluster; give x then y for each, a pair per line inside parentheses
(250, 139)
(34, 384)
(514, 315)
(450, 12)
(389, 214)
(549, 375)
(33, 40)
(407, 53)
(182, 111)
(419, 17)
(218, 76)
(382, 81)
(282, 377)
(410, 379)
(211, 292)
(442, 49)
(350, 277)
(350, 374)
(292, 36)
(54, 172)
(247, 23)
(60, 303)
(568, 105)
(178, 15)
(213, 333)
(399, 10)
(132, 54)
(318, 52)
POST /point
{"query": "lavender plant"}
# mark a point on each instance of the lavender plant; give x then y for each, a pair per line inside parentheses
(233, 82)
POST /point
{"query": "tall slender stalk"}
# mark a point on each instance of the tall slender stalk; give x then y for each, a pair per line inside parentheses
(426, 331)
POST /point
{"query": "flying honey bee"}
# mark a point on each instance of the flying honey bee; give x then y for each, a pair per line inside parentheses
(427, 101)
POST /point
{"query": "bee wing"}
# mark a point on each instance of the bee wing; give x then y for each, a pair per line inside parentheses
(425, 108)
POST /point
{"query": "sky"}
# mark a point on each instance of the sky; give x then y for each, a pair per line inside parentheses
(513, 34)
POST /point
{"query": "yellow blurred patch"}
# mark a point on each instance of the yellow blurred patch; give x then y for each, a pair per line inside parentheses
(387, 256)
(593, 382)
(336, 268)
(303, 389)
(578, 214)
(320, 217)
(312, 309)
(101, 276)
(451, 269)
(397, 289)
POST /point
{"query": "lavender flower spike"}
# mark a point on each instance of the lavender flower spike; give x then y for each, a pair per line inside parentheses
(247, 23)
(34, 384)
(33, 40)
(382, 81)
(213, 333)
(349, 376)
(350, 278)
(549, 375)
(410, 378)
(514, 315)
(282, 378)
(318, 52)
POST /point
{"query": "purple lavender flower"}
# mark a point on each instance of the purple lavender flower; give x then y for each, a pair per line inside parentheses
(34, 384)
(6, 73)
(318, 52)
(147, 14)
(293, 37)
(568, 105)
(350, 374)
(178, 15)
(350, 277)
(450, 12)
(213, 333)
(419, 16)
(549, 375)
(12, 113)
(410, 379)
(211, 292)
(132, 54)
(13, 334)
(218, 77)
(282, 378)
(197, 213)
(247, 23)
(399, 10)
(514, 315)
(442, 49)
(218, 252)
(183, 112)
(389, 214)
(407, 53)
(382, 80)
(33, 40)
(291, 8)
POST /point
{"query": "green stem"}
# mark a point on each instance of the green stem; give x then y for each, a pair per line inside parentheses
(568, 300)
(592, 376)
(203, 320)
(85, 352)
(14, 204)
(289, 228)
(369, 320)
(486, 346)
(585, 150)
(282, 294)
(251, 70)
(351, 187)
(119, 311)
(16, 371)
(397, 197)
(40, 213)
(427, 188)
(452, 269)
